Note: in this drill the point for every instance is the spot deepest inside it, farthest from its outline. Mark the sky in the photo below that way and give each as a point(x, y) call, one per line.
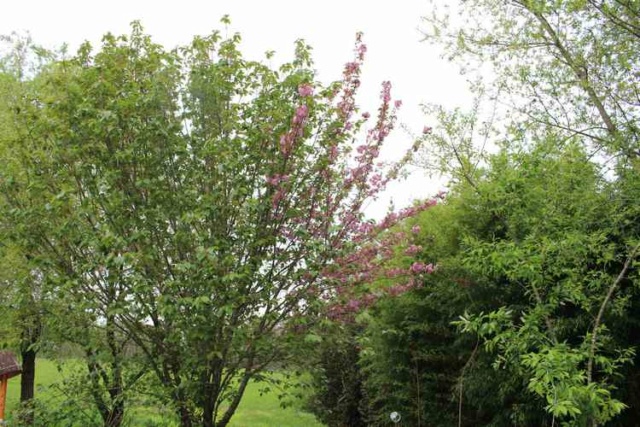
point(391, 30)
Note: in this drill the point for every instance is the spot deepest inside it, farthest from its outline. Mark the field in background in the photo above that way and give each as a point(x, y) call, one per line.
point(254, 410)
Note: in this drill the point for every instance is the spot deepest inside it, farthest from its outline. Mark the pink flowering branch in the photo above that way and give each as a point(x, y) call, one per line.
point(354, 276)
point(317, 185)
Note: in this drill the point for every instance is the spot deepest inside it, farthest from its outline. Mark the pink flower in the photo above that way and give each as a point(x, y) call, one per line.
point(351, 68)
point(415, 229)
point(366, 115)
point(413, 249)
point(418, 267)
point(426, 130)
point(398, 103)
point(386, 91)
point(285, 144)
point(305, 90)
point(365, 227)
point(301, 113)
point(362, 49)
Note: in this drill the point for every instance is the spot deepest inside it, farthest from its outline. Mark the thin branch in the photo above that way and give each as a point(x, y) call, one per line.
point(579, 70)
point(596, 325)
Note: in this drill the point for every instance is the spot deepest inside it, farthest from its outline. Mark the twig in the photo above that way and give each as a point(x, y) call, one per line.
point(612, 288)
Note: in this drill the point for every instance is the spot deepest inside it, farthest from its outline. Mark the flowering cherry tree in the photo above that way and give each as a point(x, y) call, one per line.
point(195, 202)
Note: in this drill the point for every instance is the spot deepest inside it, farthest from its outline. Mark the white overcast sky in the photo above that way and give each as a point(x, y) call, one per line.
point(391, 32)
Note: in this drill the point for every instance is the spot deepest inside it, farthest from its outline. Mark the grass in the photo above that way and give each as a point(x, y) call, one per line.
point(46, 374)
point(255, 410)
point(265, 411)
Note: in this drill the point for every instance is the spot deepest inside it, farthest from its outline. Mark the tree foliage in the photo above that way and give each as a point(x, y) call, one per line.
point(537, 257)
point(568, 65)
point(187, 204)
point(192, 218)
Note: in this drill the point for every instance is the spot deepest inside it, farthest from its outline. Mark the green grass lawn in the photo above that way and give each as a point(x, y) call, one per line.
point(265, 411)
point(46, 374)
point(255, 410)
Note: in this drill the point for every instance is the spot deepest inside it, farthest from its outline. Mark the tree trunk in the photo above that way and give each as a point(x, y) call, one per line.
point(211, 390)
point(116, 415)
point(208, 407)
point(27, 386)
point(27, 380)
point(235, 402)
point(30, 337)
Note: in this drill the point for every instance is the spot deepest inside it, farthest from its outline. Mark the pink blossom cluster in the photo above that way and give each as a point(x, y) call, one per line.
point(361, 48)
point(367, 264)
point(419, 267)
point(329, 216)
point(351, 68)
point(286, 143)
point(365, 228)
point(278, 197)
point(305, 90)
point(298, 122)
point(345, 311)
point(386, 91)
point(366, 175)
point(402, 288)
point(413, 249)
point(334, 151)
point(351, 82)
point(301, 114)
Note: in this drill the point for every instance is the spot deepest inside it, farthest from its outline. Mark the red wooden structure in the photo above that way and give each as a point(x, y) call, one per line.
point(9, 368)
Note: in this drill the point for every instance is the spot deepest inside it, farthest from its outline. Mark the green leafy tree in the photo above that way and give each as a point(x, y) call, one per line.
point(568, 65)
point(188, 203)
point(558, 238)
point(539, 244)
point(411, 351)
point(562, 75)
point(22, 303)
